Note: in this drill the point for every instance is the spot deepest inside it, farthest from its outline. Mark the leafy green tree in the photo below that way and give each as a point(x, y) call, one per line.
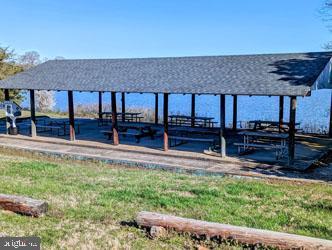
point(9, 67)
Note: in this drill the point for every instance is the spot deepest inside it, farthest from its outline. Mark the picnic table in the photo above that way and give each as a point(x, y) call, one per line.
point(261, 124)
point(138, 130)
point(267, 140)
point(48, 125)
point(179, 135)
point(124, 117)
point(130, 116)
point(197, 121)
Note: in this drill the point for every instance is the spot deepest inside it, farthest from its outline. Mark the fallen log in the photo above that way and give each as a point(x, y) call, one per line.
point(23, 205)
point(243, 235)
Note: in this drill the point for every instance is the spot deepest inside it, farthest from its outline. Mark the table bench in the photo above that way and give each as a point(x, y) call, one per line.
point(109, 134)
point(255, 139)
point(249, 146)
point(45, 126)
point(180, 135)
point(185, 139)
point(261, 125)
point(141, 130)
point(197, 121)
point(103, 122)
point(48, 128)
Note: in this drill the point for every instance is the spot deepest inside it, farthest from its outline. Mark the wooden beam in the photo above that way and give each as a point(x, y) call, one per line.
point(71, 115)
point(330, 130)
point(291, 140)
point(7, 98)
point(193, 110)
point(114, 119)
point(100, 104)
point(243, 235)
point(123, 106)
point(281, 112)
point(33, 113)
point(156, 108)
point(23, 205)
point(234, 112)
point(222, 125)
point(6, 93)
point(166, 121)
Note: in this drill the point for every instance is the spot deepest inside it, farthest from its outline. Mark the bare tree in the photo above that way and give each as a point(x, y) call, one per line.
point(29, 59)
point(45, 100)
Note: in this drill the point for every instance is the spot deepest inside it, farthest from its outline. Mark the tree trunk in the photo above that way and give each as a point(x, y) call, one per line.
point(242, 235)
point(23, 205)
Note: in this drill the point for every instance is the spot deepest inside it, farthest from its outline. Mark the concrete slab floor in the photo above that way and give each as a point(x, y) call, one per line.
point(92, 144)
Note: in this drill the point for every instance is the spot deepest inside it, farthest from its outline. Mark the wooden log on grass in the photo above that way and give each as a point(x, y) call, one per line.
point(243, 235)
point(23, 205)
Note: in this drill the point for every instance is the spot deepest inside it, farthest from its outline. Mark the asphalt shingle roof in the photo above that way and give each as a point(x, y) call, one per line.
point(269, 74)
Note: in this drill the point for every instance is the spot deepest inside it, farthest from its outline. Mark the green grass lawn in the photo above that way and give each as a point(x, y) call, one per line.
point(88, 202)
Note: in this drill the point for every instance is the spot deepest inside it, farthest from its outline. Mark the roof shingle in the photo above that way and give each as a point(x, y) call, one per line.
point(269, 74)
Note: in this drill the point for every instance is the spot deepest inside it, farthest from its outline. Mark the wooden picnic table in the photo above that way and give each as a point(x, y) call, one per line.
point(140, 130)
point(48, 125)
point(260, 139)
point(124, 117)
point(195, 130)
point(197, 121)
point(179, 135)
point(130, 116)
point(261, 124)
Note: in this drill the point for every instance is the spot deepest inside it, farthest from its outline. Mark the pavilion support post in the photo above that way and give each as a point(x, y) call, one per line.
point(100, 106)
point(222, 126)
point(193, 110)
point(33, 113)
point(156, 111)
point(330, 130)
point(114, 120)
point(166, 121)
point(281, 112)
point(71, 115)
point(291, 140)
point(234, 112)
point(123, 106)
point(6, 92)
point(7, 98)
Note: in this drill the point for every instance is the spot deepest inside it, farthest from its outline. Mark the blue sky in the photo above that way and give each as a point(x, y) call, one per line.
point(150, 28)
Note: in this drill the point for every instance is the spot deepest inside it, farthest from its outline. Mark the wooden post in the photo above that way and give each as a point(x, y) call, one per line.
point(100, 106)
point(7, 98)
point(234, 112)
point(222, 126)
point(281, 112)
point(291, 142)
point(123, 106)
point(114, 119)
point(33, 113)
point(193, 110)
point(330, 130)
point(6, 92)
point(156, 110)
point(166, 122)
point(71, 115)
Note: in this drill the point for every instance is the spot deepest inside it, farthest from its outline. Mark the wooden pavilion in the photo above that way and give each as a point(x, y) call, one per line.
point(280, 75)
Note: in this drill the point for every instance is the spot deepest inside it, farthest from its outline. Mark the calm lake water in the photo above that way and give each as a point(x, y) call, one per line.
point(313, 111)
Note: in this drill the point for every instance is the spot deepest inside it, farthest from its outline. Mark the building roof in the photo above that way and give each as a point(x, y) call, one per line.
point(268, 74)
